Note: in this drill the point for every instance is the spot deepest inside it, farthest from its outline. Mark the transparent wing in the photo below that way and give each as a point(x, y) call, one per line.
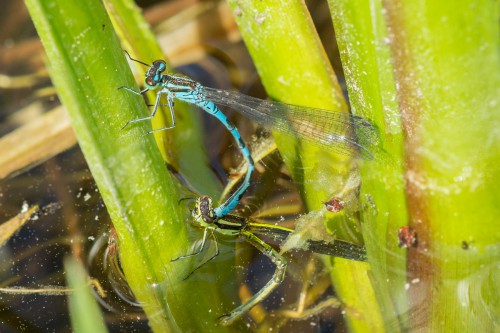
point(335, 131)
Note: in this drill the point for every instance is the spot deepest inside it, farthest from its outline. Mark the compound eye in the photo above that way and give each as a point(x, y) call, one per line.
point(160, 65)
point(150, 82)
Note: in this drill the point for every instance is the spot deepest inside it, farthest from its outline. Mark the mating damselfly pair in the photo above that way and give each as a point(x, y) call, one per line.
point(333, 131)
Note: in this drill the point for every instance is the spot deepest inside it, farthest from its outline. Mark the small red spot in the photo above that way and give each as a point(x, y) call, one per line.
point(407, 237)
point(334, 205)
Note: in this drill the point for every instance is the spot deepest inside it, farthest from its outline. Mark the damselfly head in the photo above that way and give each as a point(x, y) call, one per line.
point(154, 74)
point(203, 210)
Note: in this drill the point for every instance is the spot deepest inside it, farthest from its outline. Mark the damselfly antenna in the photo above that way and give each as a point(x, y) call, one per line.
point(130, 57)
point(185, 199)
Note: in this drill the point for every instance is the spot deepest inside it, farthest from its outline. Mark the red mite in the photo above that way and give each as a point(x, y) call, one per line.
point(407, 237)
point(334, 205)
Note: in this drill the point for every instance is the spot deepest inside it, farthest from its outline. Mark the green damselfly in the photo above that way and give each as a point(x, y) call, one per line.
point(232, 225)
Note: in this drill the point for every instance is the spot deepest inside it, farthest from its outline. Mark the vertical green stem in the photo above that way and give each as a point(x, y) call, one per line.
point(294, 69)
point(365, 53)
point(88, 66)
point(182, 147)
point(428, 74)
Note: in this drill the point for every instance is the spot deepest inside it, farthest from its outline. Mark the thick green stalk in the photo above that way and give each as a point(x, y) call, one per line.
point(365, 53)
point(294, 69)
point(87, 66)
point(182, 147)
point(428, 74)
point(448, 68)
